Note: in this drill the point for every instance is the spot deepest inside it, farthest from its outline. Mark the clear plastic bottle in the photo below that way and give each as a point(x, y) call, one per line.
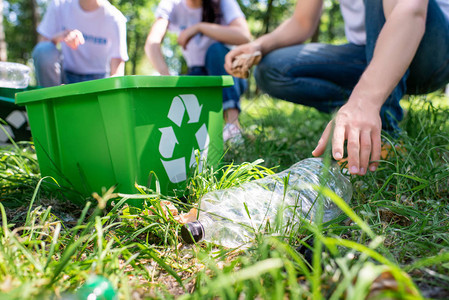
point(230, 217)
point(14, 75)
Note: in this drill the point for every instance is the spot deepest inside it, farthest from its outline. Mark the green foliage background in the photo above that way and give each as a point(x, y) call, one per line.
point(21, 17)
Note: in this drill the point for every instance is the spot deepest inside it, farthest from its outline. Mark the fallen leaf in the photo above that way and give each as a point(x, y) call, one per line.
point(389, 217)
point(188, 217)
point(386, 282)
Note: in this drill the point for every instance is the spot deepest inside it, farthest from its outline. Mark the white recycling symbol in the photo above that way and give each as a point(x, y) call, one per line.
point(176, 167)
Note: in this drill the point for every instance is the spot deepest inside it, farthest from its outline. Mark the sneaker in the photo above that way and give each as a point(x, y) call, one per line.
point(232, 134)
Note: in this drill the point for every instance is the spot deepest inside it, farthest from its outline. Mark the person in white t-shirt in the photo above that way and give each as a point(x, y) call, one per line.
point(206, 28)
point(394, 47)
point(92, 39)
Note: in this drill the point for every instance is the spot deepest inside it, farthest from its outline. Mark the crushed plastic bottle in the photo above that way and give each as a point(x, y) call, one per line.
point(230, 217)
point(14, 75)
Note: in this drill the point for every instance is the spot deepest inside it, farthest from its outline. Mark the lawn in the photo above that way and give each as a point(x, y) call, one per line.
point(392, 241)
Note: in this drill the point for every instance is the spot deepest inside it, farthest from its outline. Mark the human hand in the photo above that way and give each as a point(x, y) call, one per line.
point(239, 60)
point(73, 38)
point(187, 34)
point(361, 126)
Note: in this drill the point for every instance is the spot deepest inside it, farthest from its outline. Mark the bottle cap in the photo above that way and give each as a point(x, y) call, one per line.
point(192, 232)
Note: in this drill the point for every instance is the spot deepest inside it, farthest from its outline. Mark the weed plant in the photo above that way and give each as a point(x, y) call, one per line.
point(392, 240)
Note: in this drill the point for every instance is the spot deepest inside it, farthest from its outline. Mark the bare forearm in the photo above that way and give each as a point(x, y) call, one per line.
point(154, 54)
point(57, 38)
point(232, 35)
point(295, 30)
point(287, 34)
point(117, 67)
point(395, 49)
point(153, 46)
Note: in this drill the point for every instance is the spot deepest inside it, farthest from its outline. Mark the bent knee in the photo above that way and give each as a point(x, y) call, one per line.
point(45, 53)
point(216, 51)
point(267, 72)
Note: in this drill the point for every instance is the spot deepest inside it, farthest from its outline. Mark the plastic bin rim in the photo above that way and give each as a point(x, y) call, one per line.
point(122, 82)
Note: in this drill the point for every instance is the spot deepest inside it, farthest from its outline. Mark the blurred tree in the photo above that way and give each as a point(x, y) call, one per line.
point(331, 26)
point(21, 19)
point(3, 53)
point(140, 18)
point(22, 16)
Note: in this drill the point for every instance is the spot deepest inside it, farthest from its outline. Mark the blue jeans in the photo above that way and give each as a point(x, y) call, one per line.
point(323, 76)
point(48, 64)
point(214, 65)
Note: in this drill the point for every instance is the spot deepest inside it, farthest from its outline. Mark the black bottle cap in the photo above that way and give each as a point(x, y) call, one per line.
point(192, 232)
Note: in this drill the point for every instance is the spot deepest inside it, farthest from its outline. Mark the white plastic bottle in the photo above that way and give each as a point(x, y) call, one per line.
point(230, 217)
point(14, 75)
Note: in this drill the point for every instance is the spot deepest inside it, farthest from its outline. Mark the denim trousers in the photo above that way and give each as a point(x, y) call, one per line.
point(48, 65)
point(214, 66)
point(323, 76)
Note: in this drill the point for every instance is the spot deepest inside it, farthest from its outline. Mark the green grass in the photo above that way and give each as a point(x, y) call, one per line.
point(392, 240)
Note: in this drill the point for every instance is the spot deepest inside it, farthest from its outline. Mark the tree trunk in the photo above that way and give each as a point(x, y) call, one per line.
point(266, 29)
point(267, 18)
point(316, 34)
point(3, 53)
point(35, 17)
point(333, 11)
point(135, 55)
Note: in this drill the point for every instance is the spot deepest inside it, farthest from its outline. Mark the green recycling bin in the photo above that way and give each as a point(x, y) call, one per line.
point(121, 131)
